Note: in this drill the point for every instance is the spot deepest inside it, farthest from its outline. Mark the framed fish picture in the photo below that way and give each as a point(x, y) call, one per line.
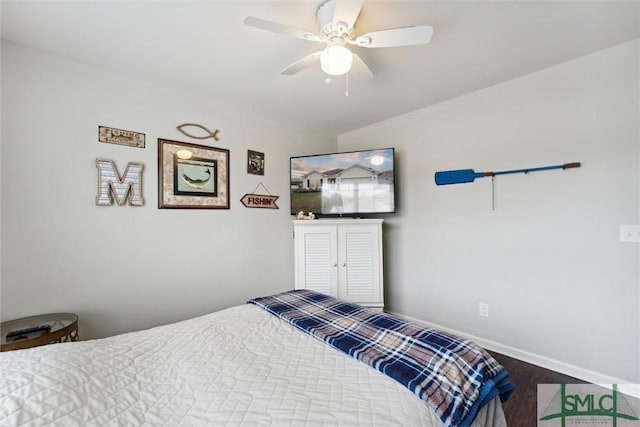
point(192, 176)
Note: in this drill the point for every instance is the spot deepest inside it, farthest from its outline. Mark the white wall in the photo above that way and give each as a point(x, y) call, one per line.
point(563, 291)
point(127, 268)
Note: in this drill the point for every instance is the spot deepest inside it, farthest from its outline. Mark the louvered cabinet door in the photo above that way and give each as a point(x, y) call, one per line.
point(359, 263)
point(317, 259)
point(341, 258)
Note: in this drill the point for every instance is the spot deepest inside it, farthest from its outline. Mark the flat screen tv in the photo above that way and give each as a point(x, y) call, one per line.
point(351, 184)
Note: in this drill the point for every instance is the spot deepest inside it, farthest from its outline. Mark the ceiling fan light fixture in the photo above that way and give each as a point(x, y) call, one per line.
point(337, 21)
point(336, 60)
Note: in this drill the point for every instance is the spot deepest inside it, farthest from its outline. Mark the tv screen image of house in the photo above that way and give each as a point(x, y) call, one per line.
point(349, 183)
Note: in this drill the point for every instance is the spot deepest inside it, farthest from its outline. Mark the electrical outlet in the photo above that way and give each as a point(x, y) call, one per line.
point(630, 233)
point(483, 309)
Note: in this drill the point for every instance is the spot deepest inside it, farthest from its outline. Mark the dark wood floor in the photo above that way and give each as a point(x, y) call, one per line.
point(520, 410)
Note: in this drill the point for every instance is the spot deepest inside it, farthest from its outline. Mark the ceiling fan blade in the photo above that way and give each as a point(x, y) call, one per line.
point(347, 11)
point(282, 29)
point(302, 63)
point(406, 36)
point(359, 69)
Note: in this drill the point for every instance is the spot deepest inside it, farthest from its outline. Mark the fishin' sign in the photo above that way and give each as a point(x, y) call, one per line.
point(252, 200)
point(259, 201)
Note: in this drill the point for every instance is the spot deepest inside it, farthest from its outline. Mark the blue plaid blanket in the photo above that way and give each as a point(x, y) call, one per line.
point(453, 376)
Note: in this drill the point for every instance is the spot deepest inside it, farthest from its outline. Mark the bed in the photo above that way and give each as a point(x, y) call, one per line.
point(269, 362)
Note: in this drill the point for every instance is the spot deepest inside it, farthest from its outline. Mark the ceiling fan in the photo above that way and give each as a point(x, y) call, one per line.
point(336, 23)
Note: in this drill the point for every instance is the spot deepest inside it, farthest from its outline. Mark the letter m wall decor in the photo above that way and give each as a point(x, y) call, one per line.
point(111, 184)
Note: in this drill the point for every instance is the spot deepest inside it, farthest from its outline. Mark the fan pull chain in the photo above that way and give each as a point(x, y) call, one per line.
point(346, 91)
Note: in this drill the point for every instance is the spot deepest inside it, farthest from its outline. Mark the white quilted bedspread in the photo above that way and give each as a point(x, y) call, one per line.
point(240, 366)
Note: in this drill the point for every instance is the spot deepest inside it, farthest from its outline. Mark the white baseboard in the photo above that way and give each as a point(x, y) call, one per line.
point(525, 356)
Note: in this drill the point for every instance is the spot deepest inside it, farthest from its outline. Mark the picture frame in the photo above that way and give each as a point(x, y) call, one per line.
point(255, 162)
point(192, 176)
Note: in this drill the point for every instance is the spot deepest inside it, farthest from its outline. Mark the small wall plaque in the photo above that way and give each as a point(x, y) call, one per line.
point(255, 162)
point(121, 137)
point(253, 200)
point(259, 201)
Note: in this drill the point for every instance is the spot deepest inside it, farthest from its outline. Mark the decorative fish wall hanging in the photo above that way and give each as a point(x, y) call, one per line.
point(209, 134)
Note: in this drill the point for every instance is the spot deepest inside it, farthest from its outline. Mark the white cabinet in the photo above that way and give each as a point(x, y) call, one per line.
point(341, 258)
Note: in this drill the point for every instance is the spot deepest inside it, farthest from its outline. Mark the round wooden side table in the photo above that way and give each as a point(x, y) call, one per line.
point(55, 328)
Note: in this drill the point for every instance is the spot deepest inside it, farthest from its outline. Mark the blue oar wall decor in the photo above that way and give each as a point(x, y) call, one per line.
point(462, 176)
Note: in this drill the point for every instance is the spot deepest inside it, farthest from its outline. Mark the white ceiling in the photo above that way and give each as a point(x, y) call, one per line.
point(204, 46)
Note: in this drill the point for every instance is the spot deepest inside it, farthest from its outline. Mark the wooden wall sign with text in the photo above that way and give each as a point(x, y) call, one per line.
point(260, 201)
point(265, 201)
point(121, 137)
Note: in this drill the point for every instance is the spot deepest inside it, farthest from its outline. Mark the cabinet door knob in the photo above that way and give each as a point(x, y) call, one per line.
point(344, 264)
point(335, 264)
